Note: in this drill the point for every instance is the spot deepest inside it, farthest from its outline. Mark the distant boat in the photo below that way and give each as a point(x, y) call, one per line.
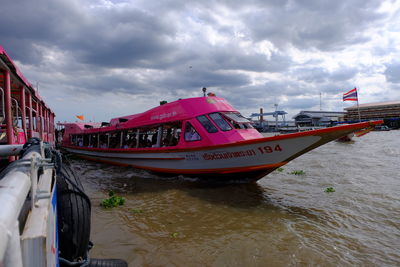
point(203, 137)
point(381, 128)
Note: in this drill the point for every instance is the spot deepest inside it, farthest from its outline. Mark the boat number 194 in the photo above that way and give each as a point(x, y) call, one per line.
point(269, 149)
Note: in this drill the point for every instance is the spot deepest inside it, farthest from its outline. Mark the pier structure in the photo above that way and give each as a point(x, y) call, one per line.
point(265, 125)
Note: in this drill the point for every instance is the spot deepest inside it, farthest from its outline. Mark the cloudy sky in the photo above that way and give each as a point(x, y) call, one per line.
point(110, 58)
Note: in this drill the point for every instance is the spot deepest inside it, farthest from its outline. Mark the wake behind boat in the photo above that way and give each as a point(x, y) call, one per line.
point(202, 137)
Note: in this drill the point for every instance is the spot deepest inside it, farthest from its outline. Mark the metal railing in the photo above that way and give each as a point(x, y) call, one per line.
point(18, 183)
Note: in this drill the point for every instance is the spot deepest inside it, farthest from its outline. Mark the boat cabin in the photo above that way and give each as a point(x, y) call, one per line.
point(185, 123)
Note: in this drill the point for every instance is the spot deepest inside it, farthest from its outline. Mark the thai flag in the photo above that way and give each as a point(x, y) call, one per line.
point(350, 95)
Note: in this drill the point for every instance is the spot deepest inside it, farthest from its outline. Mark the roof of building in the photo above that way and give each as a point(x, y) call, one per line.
point(320, 114)
point(376, 104)
point(275, 113)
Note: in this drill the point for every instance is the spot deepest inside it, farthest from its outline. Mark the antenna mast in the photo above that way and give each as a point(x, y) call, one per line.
point(320, 101)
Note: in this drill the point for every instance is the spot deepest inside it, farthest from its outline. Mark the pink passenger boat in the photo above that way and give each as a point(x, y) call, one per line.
point(202, 137)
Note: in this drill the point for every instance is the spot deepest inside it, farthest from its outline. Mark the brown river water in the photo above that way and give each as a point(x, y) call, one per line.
point(282, 220)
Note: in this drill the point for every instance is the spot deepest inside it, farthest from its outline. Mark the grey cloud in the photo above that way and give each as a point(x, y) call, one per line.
point(109, 83)
point(233, 58)
point(324, 25)
point(343, 74)
point(325, 80)
point(25, 25)
point(107, 37)
point(267, 94)
point(304, 103)
point(189, 80)
point(147, 47)
point(392, 72)
point(123, 38)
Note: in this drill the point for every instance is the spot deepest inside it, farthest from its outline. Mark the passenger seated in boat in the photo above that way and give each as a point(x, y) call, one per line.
point(190, 133)
point(113, 143)
point(132, 142)
point(167, 140)
point(94, 141)
point(125, 145)
point(142, 142)
point(103, 145)
point(174, 141)
point(149, 143)
point(145, 142)
point(154, 139)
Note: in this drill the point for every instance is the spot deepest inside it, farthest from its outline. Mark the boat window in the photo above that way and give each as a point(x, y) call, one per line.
point(237, 117)
point(93, 140)
point(85, 140)
point(220, 121)
point(238, 121)
point(130, 139)
point(171, 133)
point(190, 133)
point(74, 139)
point(114, 140)
point(104, 140)
point(147, 137)
point(207, 124)
point(79, 140)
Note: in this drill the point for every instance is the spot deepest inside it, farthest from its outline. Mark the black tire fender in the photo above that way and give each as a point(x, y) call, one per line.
point(73, 210)
point(107, 263)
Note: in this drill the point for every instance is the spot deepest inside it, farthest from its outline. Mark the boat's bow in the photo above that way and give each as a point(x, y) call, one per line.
point(332, 133)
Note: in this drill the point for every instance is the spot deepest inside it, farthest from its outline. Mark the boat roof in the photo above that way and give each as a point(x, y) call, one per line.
point(15, 71)
point(179, 110)
point(10, 63)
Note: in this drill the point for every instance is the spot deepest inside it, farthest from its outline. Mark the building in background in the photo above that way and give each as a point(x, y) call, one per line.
point(388, 111)
point(318, 118)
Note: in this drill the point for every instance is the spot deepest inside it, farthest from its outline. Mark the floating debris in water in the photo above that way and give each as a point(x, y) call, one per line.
point(113, 201)
point(174, 235)
point(300, 172)
point(330, 190)
point(136, 211)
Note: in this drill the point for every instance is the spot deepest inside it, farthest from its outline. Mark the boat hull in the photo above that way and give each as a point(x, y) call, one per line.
point(246, 160)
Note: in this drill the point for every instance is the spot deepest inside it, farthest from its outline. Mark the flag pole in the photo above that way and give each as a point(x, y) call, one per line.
point(358, 107)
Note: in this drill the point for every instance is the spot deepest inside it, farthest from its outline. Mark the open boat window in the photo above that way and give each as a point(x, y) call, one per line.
point(170, 134)
point(220, 121)
point(238, 121)
point(190, 133)
point(104, 139)
point(77, 140)
point(207, 124)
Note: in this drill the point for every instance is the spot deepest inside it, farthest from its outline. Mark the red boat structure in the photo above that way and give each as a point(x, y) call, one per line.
point(23, 113)
point(203, 137)
point(45, 214)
